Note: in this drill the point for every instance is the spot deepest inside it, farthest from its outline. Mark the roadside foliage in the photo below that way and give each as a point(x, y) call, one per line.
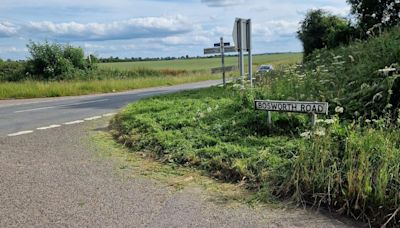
point(349, 162)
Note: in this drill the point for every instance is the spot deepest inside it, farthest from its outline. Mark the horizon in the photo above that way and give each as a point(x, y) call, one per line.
point(153, 28)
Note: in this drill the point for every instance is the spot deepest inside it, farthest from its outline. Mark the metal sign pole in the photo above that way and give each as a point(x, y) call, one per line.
point(249, 47)
point(223, 60)
point(241, 56)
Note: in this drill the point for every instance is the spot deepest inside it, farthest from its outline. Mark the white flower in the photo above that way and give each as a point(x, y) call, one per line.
point(306, 135)
point(339, 109)
point(320, 132)
point(209, 109)
point(329, 121)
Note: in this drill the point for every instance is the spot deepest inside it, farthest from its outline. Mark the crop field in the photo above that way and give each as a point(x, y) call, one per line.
point(204, 64)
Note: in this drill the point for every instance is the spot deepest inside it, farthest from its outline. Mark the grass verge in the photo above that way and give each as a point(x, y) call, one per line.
point(37, 89)
point(351, 168)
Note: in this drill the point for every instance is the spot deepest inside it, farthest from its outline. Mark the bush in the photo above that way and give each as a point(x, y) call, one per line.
point(13, 71)
point(53, 61)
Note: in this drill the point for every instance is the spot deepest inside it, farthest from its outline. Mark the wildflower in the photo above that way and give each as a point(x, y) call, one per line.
point(209, 109)
point(320, 132)
point(339, 109)
point(329, 121)
point(306, 135)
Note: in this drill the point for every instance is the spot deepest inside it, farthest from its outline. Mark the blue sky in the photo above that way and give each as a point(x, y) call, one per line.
point(152, 28)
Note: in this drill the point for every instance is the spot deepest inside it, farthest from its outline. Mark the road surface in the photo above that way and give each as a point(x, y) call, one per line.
point(24, 116)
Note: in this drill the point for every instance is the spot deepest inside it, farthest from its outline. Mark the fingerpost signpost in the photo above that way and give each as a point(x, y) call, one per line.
point(221, 48)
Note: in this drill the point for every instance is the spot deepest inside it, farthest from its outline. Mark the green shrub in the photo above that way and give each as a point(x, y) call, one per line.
point(53, 61)
point(13, 71)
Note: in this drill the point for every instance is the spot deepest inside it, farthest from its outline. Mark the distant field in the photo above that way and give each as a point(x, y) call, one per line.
point(203, 64)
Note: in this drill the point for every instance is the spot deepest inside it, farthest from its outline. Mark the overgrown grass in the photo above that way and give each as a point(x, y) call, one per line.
point(352, 169)
point(36, 89)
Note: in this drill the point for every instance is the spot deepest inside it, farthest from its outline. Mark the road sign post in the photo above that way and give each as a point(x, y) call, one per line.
point(249, 44)
point(242, 39)
point(222, 44)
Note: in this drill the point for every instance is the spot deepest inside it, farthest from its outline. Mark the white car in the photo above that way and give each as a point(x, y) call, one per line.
point(265, 69)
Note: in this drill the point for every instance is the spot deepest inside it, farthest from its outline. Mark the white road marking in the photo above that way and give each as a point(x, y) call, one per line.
point(93, 118)
point(20, 133)
point(48, 127)
point(56, 106)
point(74, 122)
point(109, 114)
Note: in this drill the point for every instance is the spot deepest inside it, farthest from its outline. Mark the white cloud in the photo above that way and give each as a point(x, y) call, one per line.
point(7, 29)
point(273, 30)
point(222, 3)
point(4, 49)
point(148, 27)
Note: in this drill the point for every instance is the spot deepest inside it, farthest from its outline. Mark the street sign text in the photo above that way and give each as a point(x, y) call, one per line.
point(292, 106)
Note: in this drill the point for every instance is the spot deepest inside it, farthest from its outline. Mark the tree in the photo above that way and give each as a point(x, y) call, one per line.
point(371, 13)
point(320, 29)
point(53, 61)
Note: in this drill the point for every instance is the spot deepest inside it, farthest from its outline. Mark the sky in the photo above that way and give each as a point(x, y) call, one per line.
point(152, 28)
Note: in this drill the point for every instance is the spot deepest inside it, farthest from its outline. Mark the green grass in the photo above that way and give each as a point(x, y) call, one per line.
point(203, 64)
point(117, 77)
point(348, 167)
point(36, 89)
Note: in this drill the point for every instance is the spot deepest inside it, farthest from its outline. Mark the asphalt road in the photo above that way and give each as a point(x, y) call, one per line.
point(21, 116)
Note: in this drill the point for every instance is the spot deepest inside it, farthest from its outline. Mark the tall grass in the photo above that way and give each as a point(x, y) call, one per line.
point(351, 168)
point(36, 89)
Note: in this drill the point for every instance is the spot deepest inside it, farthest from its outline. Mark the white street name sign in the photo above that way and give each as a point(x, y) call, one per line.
point(292, 106)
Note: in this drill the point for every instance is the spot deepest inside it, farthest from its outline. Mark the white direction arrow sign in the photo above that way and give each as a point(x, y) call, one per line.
point(240, 34)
